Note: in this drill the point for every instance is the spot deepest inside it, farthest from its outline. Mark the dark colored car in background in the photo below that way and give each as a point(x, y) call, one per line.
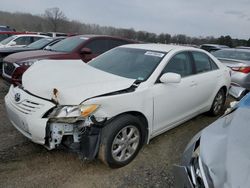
point(212, 47)
point(38, 45)
point(6, 28)
point(219, 155)
point(84, 47)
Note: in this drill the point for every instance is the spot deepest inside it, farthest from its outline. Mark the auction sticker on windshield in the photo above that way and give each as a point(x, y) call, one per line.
point(156, 54)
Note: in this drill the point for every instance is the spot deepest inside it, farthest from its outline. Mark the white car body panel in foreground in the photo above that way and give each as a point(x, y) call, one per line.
point(163, 105)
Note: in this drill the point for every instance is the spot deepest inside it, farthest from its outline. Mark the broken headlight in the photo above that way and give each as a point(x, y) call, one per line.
point(197, 170)
point(73, 112)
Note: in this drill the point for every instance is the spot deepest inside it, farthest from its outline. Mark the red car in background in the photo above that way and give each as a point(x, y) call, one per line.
point(84, 47)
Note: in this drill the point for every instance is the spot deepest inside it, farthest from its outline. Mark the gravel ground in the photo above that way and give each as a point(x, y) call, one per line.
point(24, 164)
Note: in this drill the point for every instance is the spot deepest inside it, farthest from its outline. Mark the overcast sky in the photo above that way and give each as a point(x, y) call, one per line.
point(190, 17)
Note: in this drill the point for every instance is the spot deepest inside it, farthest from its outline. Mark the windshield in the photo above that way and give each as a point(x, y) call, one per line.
point(232, 54)
point(40, 43)
point(68, 45)
point(128, 62)
point(6, 41)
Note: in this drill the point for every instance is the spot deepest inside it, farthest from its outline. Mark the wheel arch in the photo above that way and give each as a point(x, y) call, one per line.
point(224, 89)
point(142, 118)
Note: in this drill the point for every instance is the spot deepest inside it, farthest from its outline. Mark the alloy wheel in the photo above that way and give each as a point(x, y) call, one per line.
point(125, 143)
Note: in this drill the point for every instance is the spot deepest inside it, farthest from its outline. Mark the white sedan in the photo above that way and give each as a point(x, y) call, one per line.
point(113, 105)
point(20, 40)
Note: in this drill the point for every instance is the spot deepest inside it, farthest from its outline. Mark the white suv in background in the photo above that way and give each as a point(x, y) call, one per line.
point(20, 40)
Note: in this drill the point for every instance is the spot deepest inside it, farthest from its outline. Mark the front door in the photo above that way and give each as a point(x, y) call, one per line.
point(174, 102)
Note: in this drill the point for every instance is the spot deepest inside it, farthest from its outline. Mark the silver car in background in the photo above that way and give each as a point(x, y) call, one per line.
point(238, 60)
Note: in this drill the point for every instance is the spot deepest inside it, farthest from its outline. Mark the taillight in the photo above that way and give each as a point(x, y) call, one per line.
point(241, 69)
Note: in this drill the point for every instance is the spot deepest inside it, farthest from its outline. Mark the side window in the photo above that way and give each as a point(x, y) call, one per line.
point(98, 46)
point(213, 64)
point(203, 63)
point(115, 42)
point(180, 64)
point(36, 39)
point(23, 40)
point(3, 36)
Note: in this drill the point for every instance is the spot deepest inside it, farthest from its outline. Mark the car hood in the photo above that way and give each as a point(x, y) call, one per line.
point(74, 80)
point(37, 54)
point(15, 49)
point(225, 151)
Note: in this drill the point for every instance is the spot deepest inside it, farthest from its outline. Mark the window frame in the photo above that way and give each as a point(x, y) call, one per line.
point(23, 37)
point(96, 40)
point(209, 59)
point(188, 53)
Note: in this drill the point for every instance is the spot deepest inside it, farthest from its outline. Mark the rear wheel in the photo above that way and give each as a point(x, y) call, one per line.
point(121, 141)
point(218, 103)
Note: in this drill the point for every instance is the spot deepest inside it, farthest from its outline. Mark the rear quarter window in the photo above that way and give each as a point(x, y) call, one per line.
point(98, 46)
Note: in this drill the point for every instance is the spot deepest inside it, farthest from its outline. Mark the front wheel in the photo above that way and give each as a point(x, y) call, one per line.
point(218, 103)
point(121, 141)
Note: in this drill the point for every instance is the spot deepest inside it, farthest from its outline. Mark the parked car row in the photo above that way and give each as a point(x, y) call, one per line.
point(43, 43)
point(112, 106)
point(84, 47)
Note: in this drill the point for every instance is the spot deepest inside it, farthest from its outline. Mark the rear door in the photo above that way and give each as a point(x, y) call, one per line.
point(112, 43)
point(97, 47)
point(208, 75)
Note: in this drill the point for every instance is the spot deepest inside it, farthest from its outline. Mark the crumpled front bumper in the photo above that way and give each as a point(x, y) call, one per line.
point(182, 175)
point(26, 113)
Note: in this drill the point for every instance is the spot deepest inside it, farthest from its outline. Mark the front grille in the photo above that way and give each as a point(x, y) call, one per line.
point(8, 68)
point(25, 106)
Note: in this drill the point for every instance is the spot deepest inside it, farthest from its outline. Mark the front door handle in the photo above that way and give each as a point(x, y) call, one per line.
point(193, 84)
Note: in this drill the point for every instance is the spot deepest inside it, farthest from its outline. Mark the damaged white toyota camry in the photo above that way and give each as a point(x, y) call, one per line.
point(112, 106)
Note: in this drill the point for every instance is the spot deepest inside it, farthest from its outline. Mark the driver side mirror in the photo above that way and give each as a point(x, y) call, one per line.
point(86, 51)
point(170, 78)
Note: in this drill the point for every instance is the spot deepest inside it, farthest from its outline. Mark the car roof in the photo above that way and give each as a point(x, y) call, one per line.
point(215, 45)
point(235, 49)
point(89, 36)
point(160, 47)
point(30, 35)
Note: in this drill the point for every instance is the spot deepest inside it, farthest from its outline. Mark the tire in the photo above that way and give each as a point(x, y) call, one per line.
point(218, 103)
point(121, 140)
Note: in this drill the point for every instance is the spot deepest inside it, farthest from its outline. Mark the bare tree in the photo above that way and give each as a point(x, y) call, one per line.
point(55, 17)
